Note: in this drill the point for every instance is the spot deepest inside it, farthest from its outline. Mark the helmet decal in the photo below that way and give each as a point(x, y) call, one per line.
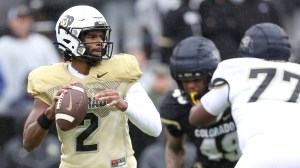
point(247, 43)
point(66, 21)
point(216, 55)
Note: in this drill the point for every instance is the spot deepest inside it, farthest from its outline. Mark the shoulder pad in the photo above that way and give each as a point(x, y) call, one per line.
point(121, 67)
point(173, 107)
point(218, 82)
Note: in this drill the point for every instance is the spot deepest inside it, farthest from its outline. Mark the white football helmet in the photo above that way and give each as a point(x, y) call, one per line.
point(72, 23)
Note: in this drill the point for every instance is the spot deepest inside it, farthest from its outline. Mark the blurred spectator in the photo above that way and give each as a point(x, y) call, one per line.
point(3, 13)
point(179, 22)
point(149, 19)
point(3, 163)
point(46, 156)
point(257, 11)
point(153, 156)
point(21, 51)
point(146, 66)
point(127, 34)
point(1, 82)
point(46, 12)
point(295, 35)
point(221, 23)
point(162, 83)
point(289, 13)
point(225, 21)
point(15, 156)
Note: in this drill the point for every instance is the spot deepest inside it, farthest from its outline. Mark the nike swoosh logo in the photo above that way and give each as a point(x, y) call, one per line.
point(99, 76)
point(70, 104)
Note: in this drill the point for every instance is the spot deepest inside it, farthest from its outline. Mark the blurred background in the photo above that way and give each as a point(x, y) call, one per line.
point(148, 29)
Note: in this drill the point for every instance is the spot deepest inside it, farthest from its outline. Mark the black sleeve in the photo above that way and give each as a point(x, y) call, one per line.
point(174, 114)
point(174, 131)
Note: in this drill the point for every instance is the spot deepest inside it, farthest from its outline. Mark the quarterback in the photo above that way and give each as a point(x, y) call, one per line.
point(102, 139)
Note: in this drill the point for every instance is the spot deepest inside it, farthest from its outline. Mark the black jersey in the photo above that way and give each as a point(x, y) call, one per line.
point(217, 144)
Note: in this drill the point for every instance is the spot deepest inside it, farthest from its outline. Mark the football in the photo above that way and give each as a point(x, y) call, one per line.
point(72, 107)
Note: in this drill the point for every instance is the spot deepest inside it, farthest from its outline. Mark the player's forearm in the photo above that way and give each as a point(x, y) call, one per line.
point(33, 136)
point(174, 159)
point(142, 112)
point(36, 129)
point(145, 119)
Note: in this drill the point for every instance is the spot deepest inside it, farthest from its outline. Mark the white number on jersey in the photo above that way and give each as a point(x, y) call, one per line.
point(269, 75)
point(229, 144)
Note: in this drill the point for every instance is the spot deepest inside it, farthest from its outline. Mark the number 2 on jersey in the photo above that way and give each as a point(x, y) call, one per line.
point(80, 146)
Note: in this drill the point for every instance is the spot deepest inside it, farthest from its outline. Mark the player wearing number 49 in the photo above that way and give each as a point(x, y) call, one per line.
point(192, 64)
point(102, 139)
point(262, 89)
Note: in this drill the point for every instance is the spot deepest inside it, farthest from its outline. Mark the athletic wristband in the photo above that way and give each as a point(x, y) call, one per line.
point(44, 122)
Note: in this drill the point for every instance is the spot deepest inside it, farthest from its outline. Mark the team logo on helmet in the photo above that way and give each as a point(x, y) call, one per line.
point(247, 43)
point(216, 55)
point(66, 21)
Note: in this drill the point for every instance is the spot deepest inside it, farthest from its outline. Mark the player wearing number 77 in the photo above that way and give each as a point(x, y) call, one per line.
point(192, 63)
point(115, 96)
point(262, 88)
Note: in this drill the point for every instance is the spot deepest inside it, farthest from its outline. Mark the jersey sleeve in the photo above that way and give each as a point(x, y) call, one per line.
point(173, 114)
point(224, 71)
point(217, 99)
point(123, 67)
point(44, 81)
point(35, 86)
point(133, 67)
point(138, 100)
